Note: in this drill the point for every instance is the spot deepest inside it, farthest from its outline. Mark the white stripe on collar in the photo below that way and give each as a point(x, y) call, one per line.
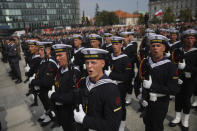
point(108, 45)
point(171, 44)
point(35, 56)
point(51, 60)
point(91, 85)
point(77, 50)
point(124, 47)
point(162, 62)
point(117, 57)
point(191, 50)
point(64, 70)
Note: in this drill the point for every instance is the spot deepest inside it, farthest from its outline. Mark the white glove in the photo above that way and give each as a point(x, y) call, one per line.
point(72, 59)
point(153, 97)
point(36, 88)
point(180, 81)
point(31, 78)
point(144, 103)
point(51, 91)
point(53, 113)
point(79, 116)
point(84, 66)
point(188, 75)
point(182, 65)
point(27, 68)
point(139, 97)
point(167, 54)
point(147, 83)
point(107, 72)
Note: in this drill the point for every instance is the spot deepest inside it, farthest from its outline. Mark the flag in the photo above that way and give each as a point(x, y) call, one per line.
point(159, 13)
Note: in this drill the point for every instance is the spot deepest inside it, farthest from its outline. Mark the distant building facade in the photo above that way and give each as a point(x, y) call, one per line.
point(127, 18)
point(24, 14)
point(176, 6)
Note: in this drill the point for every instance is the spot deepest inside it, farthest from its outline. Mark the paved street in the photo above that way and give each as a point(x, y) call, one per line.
point(16, 115)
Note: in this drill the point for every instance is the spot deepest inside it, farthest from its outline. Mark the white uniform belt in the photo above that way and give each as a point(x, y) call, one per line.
point(119, 82)
point(58, 104)
point(154, 96)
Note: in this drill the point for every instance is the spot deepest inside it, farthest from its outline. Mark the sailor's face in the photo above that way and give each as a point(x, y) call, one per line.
point(77, 42)
point(117, 47)
point(157, 50)
point(94, 43)
point(173, 37)
point(190, 40)
point(126, 40)
point(94, 68)
point(62, 59)
point(41, 52)
point(33, 49)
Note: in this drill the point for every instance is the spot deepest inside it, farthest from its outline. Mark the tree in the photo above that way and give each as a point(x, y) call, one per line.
point(155, 20)
point(106, 18)
point(185, 15)
point(141, 19)
point(168, 16)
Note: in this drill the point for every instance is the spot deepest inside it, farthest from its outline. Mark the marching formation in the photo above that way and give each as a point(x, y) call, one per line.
point(85, 78)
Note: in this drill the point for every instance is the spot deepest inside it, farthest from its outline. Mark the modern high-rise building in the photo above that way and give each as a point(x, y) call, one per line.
point(34, 14)
point(176, 6)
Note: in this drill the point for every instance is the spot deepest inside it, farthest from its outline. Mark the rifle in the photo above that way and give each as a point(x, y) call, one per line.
point(144, 73)
point(76, 90)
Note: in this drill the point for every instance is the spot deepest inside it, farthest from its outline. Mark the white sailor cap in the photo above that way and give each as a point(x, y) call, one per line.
point(32, 42)
point(77, 36)
point(148, 30)
point(116, 39)
point(174, 31)
point(42, 44)
point(94, 37)
point(163, 30)
point(94, 53)
point(189, 32)
point(61, 47)
point(149, 34)
point(158, 39)
point(107, 34)
point(124, 34)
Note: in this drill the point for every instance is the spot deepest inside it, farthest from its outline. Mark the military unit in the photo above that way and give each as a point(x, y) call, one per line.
point(85, 78)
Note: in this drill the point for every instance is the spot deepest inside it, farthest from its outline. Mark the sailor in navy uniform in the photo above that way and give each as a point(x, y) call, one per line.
point(173, 43)
point(34, 65)
point(189, 69)
point(61, 93)
point(121, 72)
point(45, 78)
point(108, 45)
point(95, 41)
point(101, 103)
point(130, 49)
point(161, 84)
point(78, 58)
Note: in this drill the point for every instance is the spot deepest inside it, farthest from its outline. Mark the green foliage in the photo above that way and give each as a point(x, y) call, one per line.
point(141, 19)
point(168, 16)
point(185, 15)
point(155, 20)
point(106, 18)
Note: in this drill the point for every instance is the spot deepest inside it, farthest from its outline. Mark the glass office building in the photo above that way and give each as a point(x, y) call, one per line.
point(35, 14)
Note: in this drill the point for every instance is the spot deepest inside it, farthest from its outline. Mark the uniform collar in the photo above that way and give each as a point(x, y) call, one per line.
point(159, 63)
point(63, 70)
point(117, 57)
point(77, 50)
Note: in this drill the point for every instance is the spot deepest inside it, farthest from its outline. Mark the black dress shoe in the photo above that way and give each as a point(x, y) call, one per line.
point(18, 81)
point(34, 104)
point(40, 120)
point(184, 128)
point(171, 124)
point(45, 123)
point(14, 78)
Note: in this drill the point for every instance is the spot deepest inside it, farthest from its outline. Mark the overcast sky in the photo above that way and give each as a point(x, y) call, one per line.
point(126, 5)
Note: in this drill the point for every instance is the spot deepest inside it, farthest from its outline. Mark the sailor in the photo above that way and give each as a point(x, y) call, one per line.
point(101, 104)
